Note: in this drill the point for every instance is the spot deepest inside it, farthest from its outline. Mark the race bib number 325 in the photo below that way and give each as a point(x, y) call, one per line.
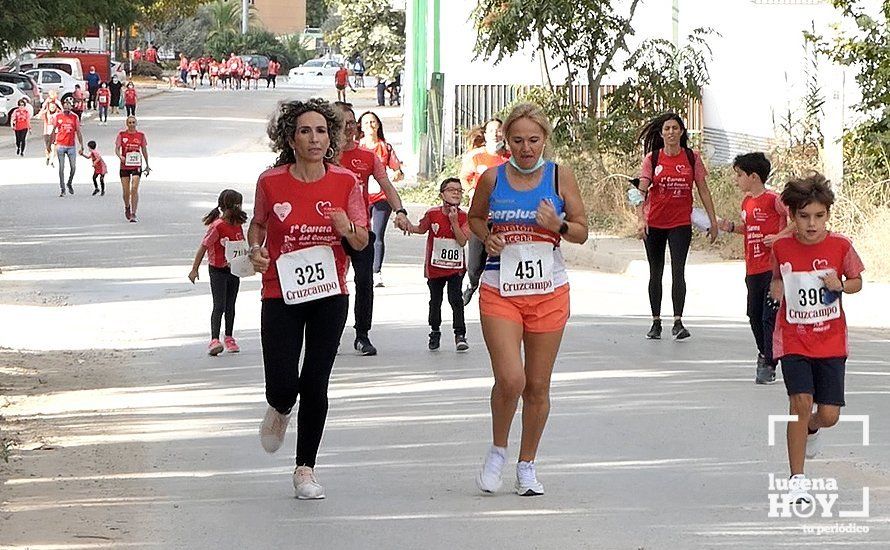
point(526, 269)
point(308, 274)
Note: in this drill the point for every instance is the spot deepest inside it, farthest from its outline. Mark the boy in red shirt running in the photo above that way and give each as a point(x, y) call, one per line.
point(764, 220)
point(447, 232)
point(99, 167)
point(812, 270)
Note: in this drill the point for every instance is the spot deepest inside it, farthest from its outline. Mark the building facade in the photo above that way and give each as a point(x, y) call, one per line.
point(281, 17)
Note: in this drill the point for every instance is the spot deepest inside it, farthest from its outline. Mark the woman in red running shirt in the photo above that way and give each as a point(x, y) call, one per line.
point(670, 170)
point(131, 147)
point(21, 123)
point(305, 209)
point(130, 99)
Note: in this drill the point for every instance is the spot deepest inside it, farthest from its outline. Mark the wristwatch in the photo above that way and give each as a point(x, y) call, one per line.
point(402, 211)
point(563, 228)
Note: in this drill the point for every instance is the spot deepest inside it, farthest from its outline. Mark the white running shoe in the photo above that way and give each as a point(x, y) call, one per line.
point(305, 484)
point(797, 492)
point(814, 445)
point(378, 280)
point(489, 477)
point(527, 484)
point(272, 430)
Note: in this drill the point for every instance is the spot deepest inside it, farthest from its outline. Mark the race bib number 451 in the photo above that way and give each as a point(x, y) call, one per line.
point(807, 300)
point(308, 274)
point(526, 269)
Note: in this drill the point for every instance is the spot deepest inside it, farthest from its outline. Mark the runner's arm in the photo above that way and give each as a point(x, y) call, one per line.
point(145, 156)
point(459, 234)
point(392, 194)
point(479, 208)
point(575, 215)
point(199, 257)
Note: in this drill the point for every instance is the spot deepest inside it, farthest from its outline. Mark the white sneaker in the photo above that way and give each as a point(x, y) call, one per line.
point(272, 430)
point(305, 484)
point(378, 280)
point(814, 445)
point(527, 484)
point(797, 490)
point(489, 477)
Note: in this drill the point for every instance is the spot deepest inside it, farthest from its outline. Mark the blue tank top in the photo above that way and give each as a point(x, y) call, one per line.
point(513, 212)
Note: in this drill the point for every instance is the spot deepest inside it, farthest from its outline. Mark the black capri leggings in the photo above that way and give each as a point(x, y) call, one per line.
point(224, 288)
point(282, 329)
point(678, 240)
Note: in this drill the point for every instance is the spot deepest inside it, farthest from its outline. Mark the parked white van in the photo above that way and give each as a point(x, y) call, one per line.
point(70, 65)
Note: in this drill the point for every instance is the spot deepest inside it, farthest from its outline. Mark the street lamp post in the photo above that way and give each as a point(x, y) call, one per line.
point(244, 6)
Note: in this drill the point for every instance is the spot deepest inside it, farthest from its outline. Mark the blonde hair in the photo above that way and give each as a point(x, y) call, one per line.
point(532, 112)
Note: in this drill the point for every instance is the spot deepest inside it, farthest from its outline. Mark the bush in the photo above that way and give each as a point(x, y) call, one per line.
point(144, 68)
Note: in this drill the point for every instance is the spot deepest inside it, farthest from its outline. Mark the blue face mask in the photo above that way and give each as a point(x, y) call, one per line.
point(537, 165)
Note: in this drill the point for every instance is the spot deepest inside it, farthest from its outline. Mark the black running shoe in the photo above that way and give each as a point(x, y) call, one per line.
point(654, 332)
point(435, 337)
point(679, 332)
point(70, 188)
point(95, 192)
point(766, 373)
point(460, 342)
point(363, 346)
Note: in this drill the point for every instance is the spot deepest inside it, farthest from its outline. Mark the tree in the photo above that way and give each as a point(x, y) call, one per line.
point(225, 27)
point(374, 30)
point(186, 34)
point(317, 12)
point(582, 35)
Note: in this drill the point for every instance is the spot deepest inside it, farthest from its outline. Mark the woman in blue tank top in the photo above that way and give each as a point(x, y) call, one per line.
point(533, 204)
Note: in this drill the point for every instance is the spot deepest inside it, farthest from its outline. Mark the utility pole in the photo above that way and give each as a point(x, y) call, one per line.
point(244, 5)
point(676, 23)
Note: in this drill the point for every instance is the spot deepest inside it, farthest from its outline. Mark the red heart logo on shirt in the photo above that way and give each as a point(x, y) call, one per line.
point(323, 208)
point(820, 264)
point(435, 228)
point(282, 210)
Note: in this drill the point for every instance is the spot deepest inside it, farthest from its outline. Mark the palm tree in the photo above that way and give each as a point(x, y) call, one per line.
point(226, 18)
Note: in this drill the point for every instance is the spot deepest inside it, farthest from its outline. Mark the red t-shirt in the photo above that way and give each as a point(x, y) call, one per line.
point(436, 225)
point(219, 232)
point(137, 55)
point(669, 202)
point(21, 119)
point(792, 261)
point(99, 166)
point(763, 215)
point(296, 216)
point(103, 96)
point(389, 159)
point(360, 162)
point(131, 143)
point(130, 96)
point(273, 68)
point(67, 126)
point(477, 161)
point(341, 77)
point(151, 55)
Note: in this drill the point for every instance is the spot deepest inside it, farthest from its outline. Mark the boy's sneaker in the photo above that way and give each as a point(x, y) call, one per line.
point(655, 331)
point(435, 337)
point(766, 373)
point(363, 346)
point(489, 477)
point(378, 280)
point(95, 191)
point(527, 484)
point(215, 347)
point(814, 444)
point(796, 492)
point(460, 342)
point(231, 345)
point(679, 332)
point(305, 484)
point(272, 430)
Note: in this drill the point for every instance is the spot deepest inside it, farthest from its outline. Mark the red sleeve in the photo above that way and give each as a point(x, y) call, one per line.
point(424, 224)
point(853, 266)
point(355, 207)
point(117, 141)
point(781, 209)
point(646, 168)
point(380, 171)
point(701, 171)
point(144, 140)
point(394, 162)
point(260, 212)
point(211, 237)
point(777, 274)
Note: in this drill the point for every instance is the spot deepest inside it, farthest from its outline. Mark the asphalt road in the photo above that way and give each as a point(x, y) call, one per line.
point(656, 445)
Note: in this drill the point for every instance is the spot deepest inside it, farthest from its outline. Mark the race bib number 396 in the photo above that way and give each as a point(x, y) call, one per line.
point(526, 269)
point(308, 274)
point(806, 300)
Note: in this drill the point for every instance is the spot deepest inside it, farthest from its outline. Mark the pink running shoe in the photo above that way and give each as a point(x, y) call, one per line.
point(215, 347)
point(231, 345)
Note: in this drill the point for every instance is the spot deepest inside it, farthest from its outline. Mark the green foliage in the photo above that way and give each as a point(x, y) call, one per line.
point(374, 30)
point(225, 29)
point(297, 54)
point(317, 12)
point(144, 68)
point(186, 34)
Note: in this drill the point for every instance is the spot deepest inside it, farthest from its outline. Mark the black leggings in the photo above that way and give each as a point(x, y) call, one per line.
point(455, 298)
point(224, 288)
point(761, 316)
point(363, 272)
point(678, 240)
point(131, 110)
point(20, 136)
point(101, 179)
point(282, 330)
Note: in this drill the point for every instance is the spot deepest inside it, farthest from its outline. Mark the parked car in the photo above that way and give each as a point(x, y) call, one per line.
point(26, 84)
point(4, 116)
point(12, 95)
point(70, 65)
point(315, 68)
point(54, 79)
point(260, 61)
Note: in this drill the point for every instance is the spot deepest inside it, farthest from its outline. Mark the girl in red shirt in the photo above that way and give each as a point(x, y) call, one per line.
point(670, 170)
point(103, 100)
point(447, 232)
point(305, 211)
point(224, 226)
point(130, 99)
point(21, 123)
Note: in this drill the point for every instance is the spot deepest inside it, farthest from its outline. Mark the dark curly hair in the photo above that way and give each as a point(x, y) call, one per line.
point(801, 192)
point(650, 134)
point(283, 126)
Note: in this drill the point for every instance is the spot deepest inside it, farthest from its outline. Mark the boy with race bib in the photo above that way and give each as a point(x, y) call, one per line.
point(812, 270)
point(447, 233)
